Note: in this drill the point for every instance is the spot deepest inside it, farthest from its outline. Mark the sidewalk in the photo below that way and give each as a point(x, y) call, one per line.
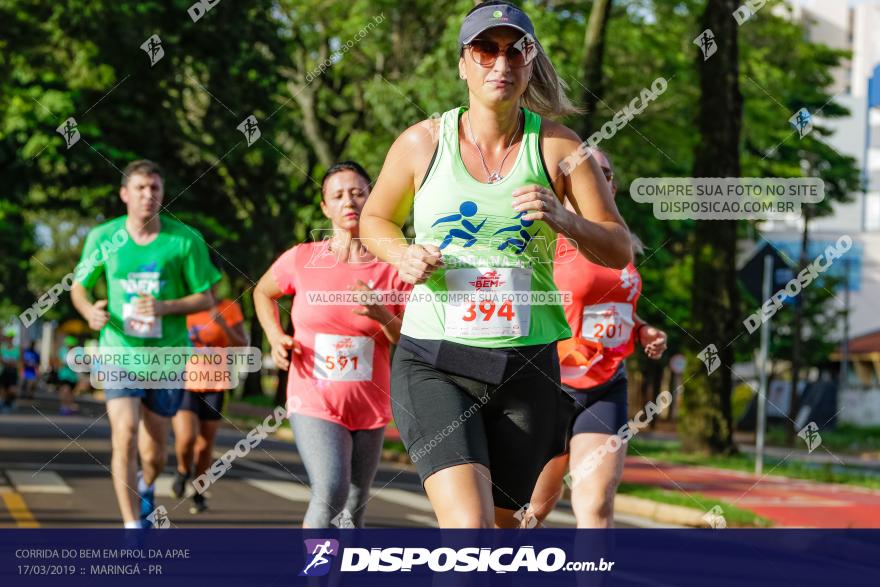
point(786, 502)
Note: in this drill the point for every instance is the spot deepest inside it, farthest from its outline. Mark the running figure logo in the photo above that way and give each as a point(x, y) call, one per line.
point(802, 121)
point(69, 131)
point(519, 242)
point(159, 518)
point(153, 48)
point(715, 519)
point(706, 42)
point(710, 358)
point(343, 520)
point(629, 281)
point(249, 129)
point(810, 434)
point(466, 210)
point(317, 561)
point(526, 518)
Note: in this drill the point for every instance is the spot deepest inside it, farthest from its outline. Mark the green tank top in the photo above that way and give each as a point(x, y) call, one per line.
point(496, 288)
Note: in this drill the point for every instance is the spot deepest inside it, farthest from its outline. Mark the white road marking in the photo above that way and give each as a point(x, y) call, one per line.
point(405, 498)
point(163, 486)
point(42, 482)
point(429, 521)
point(285, 489)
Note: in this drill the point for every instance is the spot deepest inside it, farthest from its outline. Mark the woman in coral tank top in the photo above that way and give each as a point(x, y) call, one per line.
point(338, 390)
point(603, 320)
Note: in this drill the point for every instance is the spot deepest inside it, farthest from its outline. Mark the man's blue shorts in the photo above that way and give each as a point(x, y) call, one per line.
point(163, 402)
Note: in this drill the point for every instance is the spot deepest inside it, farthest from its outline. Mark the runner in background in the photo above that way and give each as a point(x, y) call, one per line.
point(11, 359)
point(30, 371)
point(64, 378)
point(338, 387)
point(196, 422)
point(157, 271)
point(603, 319)
point(476, 380)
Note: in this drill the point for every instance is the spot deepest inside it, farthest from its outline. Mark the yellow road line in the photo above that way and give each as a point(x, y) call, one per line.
point(19, 510)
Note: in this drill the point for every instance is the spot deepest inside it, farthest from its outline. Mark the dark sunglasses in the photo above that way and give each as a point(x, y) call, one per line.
point(519, 54)
point(609, 175)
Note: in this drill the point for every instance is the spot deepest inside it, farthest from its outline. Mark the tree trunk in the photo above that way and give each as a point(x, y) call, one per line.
point(591, 66)
point(253, 384)
point(705, 422)
point(312, 125)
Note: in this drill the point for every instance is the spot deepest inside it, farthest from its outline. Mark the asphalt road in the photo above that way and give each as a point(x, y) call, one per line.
point(54, 473)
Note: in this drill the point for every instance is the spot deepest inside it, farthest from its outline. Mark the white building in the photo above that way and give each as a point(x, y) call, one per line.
point(839, 24)
point(853, 26)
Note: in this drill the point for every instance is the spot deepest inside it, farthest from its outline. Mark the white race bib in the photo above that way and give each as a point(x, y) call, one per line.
point(610, 324)
point(343, 358)
point(141, 283)
point(497, 304)
point(140, 326)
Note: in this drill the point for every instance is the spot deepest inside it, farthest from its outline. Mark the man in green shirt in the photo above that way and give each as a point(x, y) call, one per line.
point(157, 271)
point(10, 358)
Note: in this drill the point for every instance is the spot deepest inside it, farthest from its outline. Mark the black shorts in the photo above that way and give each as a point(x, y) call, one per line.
point(208, 405)
point(513, 428)
point(601, 409)
point(8, 376)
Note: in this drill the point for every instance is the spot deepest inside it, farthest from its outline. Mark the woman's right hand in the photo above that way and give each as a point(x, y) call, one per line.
point(419, 262)
point(281, 346)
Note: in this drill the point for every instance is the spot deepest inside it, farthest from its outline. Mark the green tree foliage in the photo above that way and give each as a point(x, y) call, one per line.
point(330, 80)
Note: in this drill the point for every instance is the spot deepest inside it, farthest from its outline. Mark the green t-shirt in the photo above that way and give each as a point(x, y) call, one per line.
point(174, 265)
point(65, 373)
point(9, 354)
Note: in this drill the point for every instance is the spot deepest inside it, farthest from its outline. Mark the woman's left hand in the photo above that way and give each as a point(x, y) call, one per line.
point(375, 311)
point(653, 341)
point(540, 203)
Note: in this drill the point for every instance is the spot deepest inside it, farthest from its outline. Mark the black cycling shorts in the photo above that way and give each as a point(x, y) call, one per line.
point(601, 409)
point(513, 427)
point(208, 405)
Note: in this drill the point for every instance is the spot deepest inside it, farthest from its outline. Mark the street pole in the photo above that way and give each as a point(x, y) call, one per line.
point(844, 359)
point(761, 423)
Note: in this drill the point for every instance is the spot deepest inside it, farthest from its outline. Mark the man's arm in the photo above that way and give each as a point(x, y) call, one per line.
point(94, 313)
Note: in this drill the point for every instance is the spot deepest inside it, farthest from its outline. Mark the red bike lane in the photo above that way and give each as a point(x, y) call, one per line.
point(787, 502)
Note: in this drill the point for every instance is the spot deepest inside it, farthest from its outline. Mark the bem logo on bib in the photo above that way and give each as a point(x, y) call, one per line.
point(345, 343)
point(487, 281)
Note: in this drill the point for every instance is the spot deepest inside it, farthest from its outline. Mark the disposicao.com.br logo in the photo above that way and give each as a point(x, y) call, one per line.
point(444, 559)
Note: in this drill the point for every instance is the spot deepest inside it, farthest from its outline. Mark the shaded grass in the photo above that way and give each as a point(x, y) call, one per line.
point(733, 515)
point(845, 438)
point(670, 452)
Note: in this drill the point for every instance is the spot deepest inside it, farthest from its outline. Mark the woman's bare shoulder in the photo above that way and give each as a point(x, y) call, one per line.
point(424, 134)
point(557, 143)
point(414, 149)
point(557, 134)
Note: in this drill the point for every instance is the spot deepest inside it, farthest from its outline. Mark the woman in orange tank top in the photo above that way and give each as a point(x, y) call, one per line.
point(603, 320)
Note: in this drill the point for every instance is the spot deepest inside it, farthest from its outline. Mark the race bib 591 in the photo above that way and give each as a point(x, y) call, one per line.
point(343, 358)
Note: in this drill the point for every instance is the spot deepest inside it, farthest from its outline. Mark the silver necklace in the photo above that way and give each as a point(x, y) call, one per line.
point(494, 176)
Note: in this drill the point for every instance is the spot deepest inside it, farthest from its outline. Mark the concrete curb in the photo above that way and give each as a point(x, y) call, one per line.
point(663, 513)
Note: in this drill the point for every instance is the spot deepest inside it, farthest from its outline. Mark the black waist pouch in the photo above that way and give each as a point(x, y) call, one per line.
point(492, 366)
